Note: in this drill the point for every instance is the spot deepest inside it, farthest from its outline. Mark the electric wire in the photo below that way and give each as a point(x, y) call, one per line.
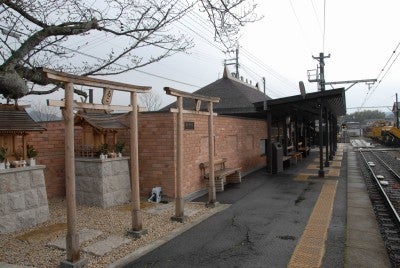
point(269, 69)
point(316, 16)
point(382, 74)
point(305, 37)
point(323, 36)
point(276, 93)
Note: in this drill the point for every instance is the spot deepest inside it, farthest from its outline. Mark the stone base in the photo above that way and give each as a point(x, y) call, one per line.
point(137, 234)
point(180, 219)
point(78, 264)
point(23, 198)
point(103, 183)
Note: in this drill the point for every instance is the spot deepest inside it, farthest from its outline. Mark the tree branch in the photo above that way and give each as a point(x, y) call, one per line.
point(35, 39)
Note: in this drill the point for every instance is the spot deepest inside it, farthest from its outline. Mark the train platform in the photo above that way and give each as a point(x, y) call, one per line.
point(292, 219)
point(364, 244)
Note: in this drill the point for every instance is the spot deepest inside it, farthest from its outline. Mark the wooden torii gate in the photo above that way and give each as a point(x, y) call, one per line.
point(212, 199)
point(72, 239)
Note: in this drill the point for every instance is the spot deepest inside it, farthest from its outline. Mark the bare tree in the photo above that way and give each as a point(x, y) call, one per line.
point(43, 113)
point(151, 101)
point(50, 33)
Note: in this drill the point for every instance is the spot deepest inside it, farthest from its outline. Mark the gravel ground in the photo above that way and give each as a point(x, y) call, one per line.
point(29, 247)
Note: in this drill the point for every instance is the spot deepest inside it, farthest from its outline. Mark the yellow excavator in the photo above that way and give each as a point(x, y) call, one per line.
point(384, 132)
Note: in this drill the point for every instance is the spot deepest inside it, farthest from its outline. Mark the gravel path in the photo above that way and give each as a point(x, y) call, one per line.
point(29, 248)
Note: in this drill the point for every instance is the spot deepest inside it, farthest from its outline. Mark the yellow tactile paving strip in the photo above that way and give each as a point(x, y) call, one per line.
point(303, 177)
point(311, 247)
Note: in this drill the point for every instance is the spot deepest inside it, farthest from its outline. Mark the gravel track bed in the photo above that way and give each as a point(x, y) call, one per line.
point(29, 248)
point(388, 225)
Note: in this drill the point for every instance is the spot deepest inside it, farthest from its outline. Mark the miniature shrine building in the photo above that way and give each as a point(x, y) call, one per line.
point(15, 125)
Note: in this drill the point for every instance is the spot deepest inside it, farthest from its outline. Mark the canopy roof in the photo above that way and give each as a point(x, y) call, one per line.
point(308, 105)
point(16, 120)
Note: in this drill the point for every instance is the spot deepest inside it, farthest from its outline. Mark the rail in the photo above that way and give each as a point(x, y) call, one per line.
point(381, 189)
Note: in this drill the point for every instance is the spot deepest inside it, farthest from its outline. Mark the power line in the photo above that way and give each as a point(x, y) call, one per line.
point(316, 16)
point(323, 37)
point(300, 26)
point(269, 69)
point(381, 74)
point(391, 56)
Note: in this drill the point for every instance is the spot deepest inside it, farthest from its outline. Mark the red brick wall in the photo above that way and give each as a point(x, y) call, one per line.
point(235, 139)
point(50, 145)
point(156, 152)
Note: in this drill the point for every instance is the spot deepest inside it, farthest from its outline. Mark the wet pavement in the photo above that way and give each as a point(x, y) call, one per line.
point(261, 228)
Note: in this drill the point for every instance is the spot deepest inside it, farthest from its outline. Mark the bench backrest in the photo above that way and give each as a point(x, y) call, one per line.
point(218, 164)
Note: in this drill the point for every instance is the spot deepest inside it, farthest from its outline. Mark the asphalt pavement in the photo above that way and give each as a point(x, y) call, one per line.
point(260, 229)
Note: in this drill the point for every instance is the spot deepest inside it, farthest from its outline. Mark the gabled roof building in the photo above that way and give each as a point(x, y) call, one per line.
point(236, 97)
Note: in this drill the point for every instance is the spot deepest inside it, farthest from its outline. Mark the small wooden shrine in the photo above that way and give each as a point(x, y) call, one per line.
point(23, 184)
point(15, 125)
point(97, 126)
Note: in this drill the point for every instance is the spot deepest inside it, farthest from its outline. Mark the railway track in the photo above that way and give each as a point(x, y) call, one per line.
point(381, 173)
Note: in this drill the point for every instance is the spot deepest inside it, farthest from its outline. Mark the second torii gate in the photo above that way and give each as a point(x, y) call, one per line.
point(72, 239)
point(212, 197)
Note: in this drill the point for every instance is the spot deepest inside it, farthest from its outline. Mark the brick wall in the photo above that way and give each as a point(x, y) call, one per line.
point(50, 145)
point(236, 139)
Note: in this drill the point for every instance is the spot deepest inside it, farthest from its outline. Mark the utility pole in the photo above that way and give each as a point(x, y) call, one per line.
point(397, 112)
point(236, 61)
point(321, 78)
point(265, 96)
point(321, 82)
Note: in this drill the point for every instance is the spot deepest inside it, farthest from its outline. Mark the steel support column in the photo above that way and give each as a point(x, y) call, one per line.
point(327, 138)
point(321, 172)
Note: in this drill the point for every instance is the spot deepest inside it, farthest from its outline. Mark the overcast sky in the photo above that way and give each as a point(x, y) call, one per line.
point(360, 36)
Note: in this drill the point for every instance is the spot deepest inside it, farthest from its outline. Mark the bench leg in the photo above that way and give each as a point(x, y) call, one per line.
point(219, 184)
point(234, 178)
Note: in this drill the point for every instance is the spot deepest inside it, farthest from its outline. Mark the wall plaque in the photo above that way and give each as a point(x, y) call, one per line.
point(189, 125)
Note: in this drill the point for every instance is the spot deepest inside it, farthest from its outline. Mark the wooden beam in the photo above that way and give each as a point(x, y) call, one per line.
point(92, 82)
point(179, 93)
point(59, 103)
point(198, 105)
point(212, 195)
point(175, 110)
point(72, 239)
point(179, 209)
point(137, 222)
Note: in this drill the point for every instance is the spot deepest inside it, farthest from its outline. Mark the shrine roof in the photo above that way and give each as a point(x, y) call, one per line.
point(16, 120)
point(101, 121)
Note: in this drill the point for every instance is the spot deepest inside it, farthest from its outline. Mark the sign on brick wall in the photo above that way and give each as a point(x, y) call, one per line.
point(189, 125)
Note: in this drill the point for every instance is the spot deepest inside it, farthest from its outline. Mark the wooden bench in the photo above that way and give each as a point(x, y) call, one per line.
point(304, 150)
point(293, 155)
point(222, 174)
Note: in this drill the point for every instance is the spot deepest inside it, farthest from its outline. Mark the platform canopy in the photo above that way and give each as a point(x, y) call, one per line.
point(307, 105)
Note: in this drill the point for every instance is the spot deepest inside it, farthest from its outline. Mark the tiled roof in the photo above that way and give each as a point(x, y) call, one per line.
point(235, 96)
point(16, 120)
point(101, 121)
